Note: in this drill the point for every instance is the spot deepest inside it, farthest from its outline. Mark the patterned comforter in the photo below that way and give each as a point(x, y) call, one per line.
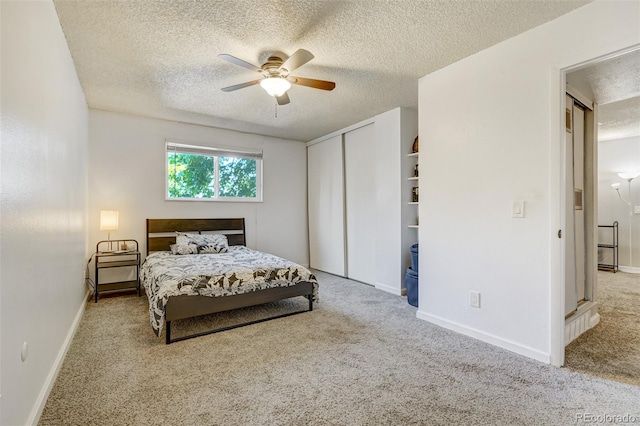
point(241, 270)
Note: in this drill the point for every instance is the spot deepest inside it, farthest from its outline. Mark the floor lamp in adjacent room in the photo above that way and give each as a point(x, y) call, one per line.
point(629, 176)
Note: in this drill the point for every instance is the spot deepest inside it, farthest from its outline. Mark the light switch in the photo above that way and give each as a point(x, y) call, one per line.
point(517, 209)
point(636, 209)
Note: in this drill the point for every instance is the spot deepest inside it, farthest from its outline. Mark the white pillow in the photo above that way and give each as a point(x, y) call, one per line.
point(182, 239)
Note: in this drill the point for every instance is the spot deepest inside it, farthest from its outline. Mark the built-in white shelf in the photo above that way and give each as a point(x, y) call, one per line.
point(415, 179)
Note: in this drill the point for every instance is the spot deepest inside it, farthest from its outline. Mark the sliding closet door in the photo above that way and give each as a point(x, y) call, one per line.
point(326, 206)
point(575, 244)
point(570, 294)
point(360, 177)
point(579, 208)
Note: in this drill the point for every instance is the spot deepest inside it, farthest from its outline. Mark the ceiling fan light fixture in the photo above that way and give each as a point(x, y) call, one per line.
point(275, 77)
point(275, 86)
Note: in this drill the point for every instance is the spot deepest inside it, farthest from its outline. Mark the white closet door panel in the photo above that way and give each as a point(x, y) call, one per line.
point(326, 206)
point(570, 295)
point(578, 181)
point(360, 177)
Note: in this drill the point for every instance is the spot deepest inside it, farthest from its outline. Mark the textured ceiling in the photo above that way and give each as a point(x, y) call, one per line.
point(159, 58)
point(619, 120)
point(614, 84)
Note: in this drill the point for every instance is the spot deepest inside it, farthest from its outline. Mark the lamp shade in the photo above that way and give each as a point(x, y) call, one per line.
point(275, 86)
point(615, 185)
point(629, 175)
point(108, 220)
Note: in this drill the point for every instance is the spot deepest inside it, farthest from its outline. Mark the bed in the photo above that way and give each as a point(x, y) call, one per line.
point(188, 286)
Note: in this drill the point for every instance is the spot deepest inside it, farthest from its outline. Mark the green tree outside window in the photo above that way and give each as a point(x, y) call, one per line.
point(237, 177)
point(191, 176)
point(194, 176)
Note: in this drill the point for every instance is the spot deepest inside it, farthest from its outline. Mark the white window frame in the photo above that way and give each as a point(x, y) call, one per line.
point(216, 152)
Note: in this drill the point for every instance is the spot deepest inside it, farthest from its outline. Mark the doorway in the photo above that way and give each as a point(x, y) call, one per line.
point(611, 83)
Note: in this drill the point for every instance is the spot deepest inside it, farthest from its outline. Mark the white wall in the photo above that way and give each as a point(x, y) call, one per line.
point(42, 205)
point(127, 173)
point(490, 133)
point(616, 156)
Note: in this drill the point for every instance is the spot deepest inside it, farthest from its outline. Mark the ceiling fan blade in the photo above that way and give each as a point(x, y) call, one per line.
point(240, 86)
point(316, 84)
point(239, 62)
point(284, 99)
point(298, 59)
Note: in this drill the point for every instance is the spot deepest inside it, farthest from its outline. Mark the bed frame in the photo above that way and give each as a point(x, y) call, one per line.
point(161, 234)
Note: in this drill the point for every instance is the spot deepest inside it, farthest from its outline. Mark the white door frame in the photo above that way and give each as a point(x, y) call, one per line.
point(557, 87)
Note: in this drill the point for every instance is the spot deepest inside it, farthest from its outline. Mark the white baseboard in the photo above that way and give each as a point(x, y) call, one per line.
point(391, 289)
point(36, 411)
point(585, 318)
point(595, 319)
point(629, 269)
point(486, 337)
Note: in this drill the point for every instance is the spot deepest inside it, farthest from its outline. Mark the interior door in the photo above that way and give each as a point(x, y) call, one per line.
point(360, 187)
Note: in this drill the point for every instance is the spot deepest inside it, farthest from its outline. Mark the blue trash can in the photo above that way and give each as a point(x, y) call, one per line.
point(411, 283)
point(414, 257)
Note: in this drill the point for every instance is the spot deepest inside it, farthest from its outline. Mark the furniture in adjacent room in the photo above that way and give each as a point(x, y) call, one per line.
point(608, 247)
point(125, 258)
point(211, 291)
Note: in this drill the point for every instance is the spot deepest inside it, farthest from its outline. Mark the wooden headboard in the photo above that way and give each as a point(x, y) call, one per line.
point(161, 232)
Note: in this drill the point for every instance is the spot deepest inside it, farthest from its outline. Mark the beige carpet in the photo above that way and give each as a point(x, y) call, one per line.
point(612, 348)
point(360, 358)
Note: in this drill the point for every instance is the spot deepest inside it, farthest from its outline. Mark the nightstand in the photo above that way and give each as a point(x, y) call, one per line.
point(117, 255)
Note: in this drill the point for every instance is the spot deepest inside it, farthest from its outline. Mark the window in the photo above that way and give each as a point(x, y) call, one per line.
point(218, 174)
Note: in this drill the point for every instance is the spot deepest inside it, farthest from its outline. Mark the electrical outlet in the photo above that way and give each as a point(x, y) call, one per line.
point(474, 299)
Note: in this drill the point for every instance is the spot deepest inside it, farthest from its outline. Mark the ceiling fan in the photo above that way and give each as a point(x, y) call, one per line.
point(276, 78)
